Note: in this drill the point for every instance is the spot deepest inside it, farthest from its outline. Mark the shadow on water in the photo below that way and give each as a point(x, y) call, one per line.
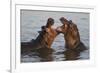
point(74, 54)
point(39, 55)
point(51, 54)
point(45, 54)
point(71, 54)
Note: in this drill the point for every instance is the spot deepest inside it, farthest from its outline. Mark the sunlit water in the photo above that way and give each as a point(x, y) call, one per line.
point(31, 22)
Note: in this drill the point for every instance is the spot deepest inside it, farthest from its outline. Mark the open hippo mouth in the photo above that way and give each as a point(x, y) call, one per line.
point(63, 29)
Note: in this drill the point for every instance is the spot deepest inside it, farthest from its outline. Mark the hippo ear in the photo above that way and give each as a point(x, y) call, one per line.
point(43, 27)
point(39, 31)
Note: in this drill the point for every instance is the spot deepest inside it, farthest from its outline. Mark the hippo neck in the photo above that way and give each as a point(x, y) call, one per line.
point(51, 37)
point(39, 41)
point(71, 42)
point(72, 46)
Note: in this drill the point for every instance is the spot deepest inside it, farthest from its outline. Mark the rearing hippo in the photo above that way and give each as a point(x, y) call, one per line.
point(71, 35)
point(44, 40)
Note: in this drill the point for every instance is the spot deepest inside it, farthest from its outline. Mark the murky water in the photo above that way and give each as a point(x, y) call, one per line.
point(31, 22)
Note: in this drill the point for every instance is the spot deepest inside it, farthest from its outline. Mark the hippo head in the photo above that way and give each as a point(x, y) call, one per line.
point(45, 29)
point(63, 29)
point(50, 22)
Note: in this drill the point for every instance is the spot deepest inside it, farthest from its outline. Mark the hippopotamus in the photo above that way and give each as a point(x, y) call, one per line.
point(44, 39)
point(71, 35)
